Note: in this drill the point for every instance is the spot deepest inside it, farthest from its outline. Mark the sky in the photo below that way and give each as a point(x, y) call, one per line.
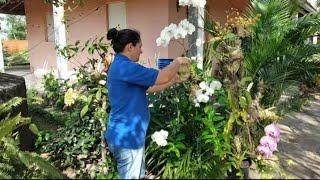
point(3, 26)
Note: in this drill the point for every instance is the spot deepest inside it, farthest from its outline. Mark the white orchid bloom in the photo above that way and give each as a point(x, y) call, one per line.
point(160, 137)
point(102, 82)
point(159, 41)
point(184, 2)
point(249, 86)
point(200, 64)
point(103, 73)
point(187, 26)
point(199, 42)
point(194, 3)
point(198, 3)
point(209, 91)
point(193, 58)
point(166, 34)
point(215, 85)
point(172, 29)
point(196, 103)
point(203, 98)
point(203, 85)
point(163, 41)
point(190, 28)
point(180, 33)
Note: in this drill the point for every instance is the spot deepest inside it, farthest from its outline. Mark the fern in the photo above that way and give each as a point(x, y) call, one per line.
point(7, 107)
point(9, 124)
point(5, 169)
point(10, 153)
point(32, 159)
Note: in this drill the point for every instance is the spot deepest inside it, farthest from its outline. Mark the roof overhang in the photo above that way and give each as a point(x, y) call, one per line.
point(13, 7)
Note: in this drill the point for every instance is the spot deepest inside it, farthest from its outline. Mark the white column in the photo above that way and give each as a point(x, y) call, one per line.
point(196, 16)
point(60, 40)
point(1, 58)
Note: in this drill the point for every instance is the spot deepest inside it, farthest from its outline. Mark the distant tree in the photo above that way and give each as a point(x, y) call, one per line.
point(16, 27)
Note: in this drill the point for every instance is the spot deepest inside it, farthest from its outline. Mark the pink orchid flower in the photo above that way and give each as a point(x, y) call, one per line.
point(270, 142)
point(265, 151)
point(273, 130)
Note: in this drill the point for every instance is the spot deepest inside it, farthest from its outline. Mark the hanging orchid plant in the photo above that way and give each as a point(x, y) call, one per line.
point(234, 135)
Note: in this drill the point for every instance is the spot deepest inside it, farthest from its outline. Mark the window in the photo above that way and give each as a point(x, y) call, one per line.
point(117, 15)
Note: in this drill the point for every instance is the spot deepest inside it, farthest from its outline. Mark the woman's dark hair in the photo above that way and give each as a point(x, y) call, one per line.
point(119, 39)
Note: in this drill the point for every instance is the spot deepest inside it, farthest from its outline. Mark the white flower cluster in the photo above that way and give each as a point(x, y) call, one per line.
point(160, 137)
point(194, 3)
point(175, 31)
point(102, 82)
point(206, 90)
point(199, 60)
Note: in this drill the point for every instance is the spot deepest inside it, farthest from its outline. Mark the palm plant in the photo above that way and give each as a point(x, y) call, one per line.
point(277, 53)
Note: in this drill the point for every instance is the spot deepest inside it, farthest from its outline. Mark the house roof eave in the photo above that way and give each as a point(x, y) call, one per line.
point(13, 7)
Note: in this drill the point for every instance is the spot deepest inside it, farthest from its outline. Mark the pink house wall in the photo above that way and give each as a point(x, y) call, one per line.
point(150, 19)
point(90, 21)
point(83, 23)
point(40, 50)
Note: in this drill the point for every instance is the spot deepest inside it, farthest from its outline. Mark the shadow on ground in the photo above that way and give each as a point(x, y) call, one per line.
point(299, 148)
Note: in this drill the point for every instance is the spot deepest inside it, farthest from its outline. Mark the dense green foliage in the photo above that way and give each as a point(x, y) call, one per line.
point(205, 141)
point(79, 146)
point(19, 58)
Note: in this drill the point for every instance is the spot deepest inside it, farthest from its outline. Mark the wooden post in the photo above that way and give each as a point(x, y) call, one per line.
point(195, 17)
point(1, 58)
point(60, 40)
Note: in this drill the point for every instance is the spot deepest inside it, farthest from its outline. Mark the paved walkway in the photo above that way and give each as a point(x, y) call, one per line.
point(299, 148)
point(24, 71)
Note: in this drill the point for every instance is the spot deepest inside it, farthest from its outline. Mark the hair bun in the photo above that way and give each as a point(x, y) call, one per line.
point(112, 34)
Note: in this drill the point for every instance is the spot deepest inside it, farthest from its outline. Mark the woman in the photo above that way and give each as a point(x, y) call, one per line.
point(128, 82)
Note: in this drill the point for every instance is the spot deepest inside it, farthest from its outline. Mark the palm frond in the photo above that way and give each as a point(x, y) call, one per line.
point(277, 53)
point(305, 27)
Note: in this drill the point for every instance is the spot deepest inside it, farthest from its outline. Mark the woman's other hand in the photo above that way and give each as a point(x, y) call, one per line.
point(183, 60)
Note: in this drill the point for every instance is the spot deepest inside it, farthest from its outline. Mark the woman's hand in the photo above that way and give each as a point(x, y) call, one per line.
point(183, 60)
point(177, 79)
